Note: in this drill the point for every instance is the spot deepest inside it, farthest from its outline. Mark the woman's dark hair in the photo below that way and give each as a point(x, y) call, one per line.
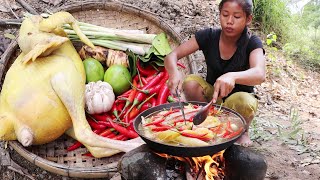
point(242, 43)
point(245, 4)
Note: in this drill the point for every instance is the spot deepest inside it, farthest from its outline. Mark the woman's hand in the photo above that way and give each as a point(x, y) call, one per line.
point(170, 63)
point(175, 81)
point(223, 86)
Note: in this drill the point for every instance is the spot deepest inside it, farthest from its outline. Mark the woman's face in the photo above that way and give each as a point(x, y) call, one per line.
point(233, 19)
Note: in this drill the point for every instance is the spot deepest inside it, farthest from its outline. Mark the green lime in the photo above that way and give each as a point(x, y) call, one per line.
point(118, 76)
point(94, 70)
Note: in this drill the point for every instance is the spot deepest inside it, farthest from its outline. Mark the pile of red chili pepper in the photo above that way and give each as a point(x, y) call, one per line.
point(149, 89)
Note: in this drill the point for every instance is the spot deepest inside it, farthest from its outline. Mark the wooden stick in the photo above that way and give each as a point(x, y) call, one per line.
point(8, 22)
point(8, 5)
point(25, 5)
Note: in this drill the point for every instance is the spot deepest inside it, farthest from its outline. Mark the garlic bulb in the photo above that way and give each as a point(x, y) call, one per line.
point(99, 97)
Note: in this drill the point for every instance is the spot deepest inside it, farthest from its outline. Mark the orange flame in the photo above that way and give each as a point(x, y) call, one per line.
point(212, 165)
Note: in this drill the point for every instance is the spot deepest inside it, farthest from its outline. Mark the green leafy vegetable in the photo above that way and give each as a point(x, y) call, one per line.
point(132, 62)
point(161, 44)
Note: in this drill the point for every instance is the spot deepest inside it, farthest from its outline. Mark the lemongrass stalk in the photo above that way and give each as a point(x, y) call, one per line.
point(91, 27)
point(139, 38)
point(142, 38)
point(140, 49)
point(74, 36)
point(118, 45)
point(107, 30)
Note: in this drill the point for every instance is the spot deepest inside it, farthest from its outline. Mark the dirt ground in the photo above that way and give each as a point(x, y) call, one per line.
point(286, 128)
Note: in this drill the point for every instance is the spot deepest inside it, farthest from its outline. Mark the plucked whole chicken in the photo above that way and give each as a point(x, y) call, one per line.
point(43, 92)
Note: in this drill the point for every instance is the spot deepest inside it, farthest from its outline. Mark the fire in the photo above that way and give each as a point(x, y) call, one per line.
point(212, 165)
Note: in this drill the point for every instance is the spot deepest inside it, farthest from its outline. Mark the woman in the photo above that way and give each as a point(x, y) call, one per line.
point(235, 63)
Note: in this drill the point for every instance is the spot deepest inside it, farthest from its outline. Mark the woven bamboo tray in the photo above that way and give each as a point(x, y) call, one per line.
point(53, 156)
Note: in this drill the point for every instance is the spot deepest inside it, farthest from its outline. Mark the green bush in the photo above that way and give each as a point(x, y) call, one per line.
point(298, 34)
point(272, 16)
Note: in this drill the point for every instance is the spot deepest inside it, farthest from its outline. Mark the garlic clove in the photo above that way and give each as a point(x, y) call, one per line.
point(97, 103)
point(107, 85)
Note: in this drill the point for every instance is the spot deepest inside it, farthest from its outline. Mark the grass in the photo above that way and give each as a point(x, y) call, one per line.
point(292, 134)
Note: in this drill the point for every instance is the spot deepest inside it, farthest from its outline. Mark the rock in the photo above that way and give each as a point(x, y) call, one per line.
point(172, 15)
point(141, 163)
point(176, 8)
point(155, 6)
point(244, 163)
point(165, 15)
